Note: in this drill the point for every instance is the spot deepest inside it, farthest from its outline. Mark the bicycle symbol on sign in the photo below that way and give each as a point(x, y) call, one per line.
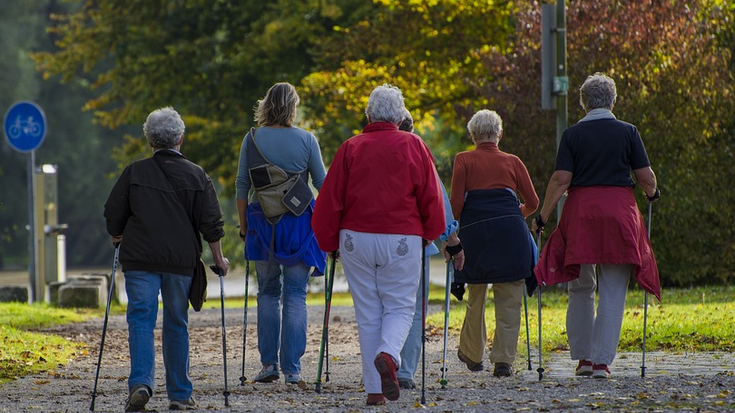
point(28, 127)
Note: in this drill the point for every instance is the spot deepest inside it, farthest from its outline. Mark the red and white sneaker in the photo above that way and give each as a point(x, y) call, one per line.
point(584, 368)
point(388, 381)
point(600, 371)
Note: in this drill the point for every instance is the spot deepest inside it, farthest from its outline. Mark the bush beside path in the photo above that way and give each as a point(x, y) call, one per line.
point(696, 382)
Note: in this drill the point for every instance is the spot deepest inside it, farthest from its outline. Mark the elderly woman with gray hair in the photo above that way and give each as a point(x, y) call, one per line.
point(601, 238)
point(161, 205)
point(487, 188)
point(381, 200)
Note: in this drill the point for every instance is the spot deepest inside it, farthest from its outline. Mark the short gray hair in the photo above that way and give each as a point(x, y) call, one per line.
point(598, 91)
point(278, 107)
point(386, 105)
point(486, 125)
point(164, 128)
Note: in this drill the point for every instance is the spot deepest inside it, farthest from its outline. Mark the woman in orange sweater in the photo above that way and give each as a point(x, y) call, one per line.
point(487, 186)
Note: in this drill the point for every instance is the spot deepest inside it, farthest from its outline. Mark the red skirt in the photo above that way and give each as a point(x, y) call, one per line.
point(599, 225)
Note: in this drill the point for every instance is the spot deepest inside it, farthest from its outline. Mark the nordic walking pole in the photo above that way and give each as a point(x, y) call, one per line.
point(221, 275)
point(328, 284)
point(243, 379)
point(645, 302)
point(424, 286)
point(528, 338)
point(447, 285)
point(104, 325)
point(327, 303)
point(329, 306)
point(540, 368)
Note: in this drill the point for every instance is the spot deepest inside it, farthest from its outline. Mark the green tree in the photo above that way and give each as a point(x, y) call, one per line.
point(72, 143)
point(670, 62)
point(210, 59)
point(428, 49)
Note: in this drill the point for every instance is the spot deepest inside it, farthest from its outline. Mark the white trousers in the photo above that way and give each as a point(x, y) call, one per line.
point(382, 273)
point(595, 337)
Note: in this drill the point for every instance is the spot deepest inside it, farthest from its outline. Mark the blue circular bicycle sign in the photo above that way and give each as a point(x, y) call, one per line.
point(24, 126)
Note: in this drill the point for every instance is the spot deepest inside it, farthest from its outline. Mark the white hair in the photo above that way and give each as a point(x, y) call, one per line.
point(386, 105)
point(598, 91)
point(164, 128)
point(485, 125)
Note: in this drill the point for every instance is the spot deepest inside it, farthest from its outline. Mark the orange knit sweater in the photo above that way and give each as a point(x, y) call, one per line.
point(487, 167)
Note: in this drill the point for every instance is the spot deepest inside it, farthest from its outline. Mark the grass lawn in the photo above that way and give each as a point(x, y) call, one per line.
point(25, 352)
point(694, 319)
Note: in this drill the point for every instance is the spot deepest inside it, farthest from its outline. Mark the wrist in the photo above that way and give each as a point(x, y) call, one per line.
point(241, 234)
point(453, 250)
point(539, 221)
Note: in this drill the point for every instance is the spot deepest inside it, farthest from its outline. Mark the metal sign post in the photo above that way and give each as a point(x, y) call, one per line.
point(554, 80)
point(24, 126)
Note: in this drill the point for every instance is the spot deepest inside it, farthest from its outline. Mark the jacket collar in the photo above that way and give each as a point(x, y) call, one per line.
point(168, 152)
point(488, 146)
point(379, 126)
point(596, 114)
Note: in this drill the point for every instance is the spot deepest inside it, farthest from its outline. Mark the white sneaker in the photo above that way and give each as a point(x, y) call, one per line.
point(190, 404)
point(293, 378)
point(267, 374)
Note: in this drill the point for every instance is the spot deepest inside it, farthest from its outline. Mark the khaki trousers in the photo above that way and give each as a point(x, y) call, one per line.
point(508, 298)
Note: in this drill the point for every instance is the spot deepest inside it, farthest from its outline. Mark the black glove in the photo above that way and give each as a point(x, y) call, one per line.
point(457, 290)
point(453, 250)
point(656, 195)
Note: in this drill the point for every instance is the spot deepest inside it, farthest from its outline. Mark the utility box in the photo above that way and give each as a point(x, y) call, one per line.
point(48, 238)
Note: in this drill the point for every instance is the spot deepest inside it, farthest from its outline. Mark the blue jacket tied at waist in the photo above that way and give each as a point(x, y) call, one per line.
point(495, 237)
point(293, 242)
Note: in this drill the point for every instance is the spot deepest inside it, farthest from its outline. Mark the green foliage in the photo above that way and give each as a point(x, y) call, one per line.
point(212, 60)
point(73, 143)
point(427, 49)
point(670, 62)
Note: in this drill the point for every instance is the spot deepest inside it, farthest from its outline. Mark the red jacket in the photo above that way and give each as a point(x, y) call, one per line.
point(382, 181)
point(599, 225)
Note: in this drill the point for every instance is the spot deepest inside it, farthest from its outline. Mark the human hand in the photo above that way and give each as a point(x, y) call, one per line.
point(116, 240)
point(223, 264)
point(656, 195)
point(537, 225)
point(459, 261)
point(334, 255)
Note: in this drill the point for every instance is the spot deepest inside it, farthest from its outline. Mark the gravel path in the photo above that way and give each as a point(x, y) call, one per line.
point(674, 381)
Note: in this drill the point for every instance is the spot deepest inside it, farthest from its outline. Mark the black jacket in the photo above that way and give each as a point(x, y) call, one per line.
point(156, 204)
point(495, 237)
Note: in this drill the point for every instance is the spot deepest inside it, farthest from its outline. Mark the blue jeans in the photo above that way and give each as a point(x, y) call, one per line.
point(282, 330)
point(411, 352)
point(142, 288)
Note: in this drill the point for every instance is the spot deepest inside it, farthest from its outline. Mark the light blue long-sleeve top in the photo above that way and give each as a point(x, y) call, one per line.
point(292, 149)
point(452, 224)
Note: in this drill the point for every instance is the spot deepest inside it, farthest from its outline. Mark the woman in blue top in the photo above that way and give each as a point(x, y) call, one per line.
point(284, 252)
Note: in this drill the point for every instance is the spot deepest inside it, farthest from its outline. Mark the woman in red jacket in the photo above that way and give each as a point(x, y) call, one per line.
point(381, 200)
